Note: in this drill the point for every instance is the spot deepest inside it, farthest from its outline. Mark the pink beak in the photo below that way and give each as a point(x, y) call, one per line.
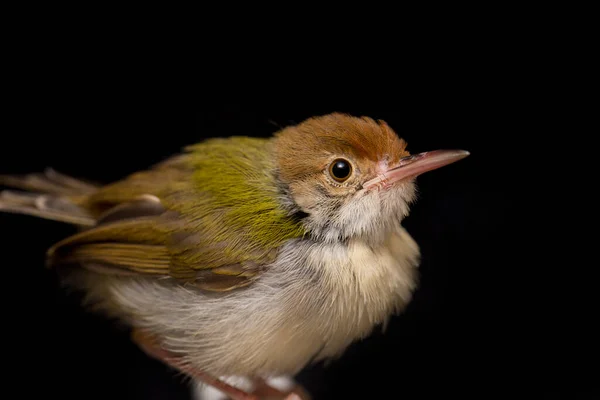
point(413, 166)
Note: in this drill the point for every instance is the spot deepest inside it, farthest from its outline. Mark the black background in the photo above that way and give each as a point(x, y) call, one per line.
point(491, 314)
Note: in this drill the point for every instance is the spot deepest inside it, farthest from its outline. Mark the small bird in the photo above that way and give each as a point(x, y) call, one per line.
point(245, 257)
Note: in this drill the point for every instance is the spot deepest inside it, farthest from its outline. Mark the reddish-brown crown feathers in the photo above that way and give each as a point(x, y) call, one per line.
point(302, 148)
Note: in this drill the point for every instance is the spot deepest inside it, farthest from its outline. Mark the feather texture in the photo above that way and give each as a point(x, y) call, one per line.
point(46, 195)
point(209, 216)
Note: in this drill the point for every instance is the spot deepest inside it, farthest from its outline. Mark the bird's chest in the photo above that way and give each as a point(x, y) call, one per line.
point(355, 286)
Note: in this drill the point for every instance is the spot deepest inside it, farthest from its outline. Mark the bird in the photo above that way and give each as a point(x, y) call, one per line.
point(243, 256)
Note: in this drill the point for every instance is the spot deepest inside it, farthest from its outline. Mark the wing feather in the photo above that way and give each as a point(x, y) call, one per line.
point(178, 220)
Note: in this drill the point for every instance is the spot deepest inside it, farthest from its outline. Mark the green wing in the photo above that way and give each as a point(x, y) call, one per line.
point(209, 216)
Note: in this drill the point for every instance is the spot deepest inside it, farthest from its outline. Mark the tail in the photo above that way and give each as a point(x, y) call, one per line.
point(46, 195)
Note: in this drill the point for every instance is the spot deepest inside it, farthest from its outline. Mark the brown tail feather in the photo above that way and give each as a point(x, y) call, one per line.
point(48, 182)
point(47, 195)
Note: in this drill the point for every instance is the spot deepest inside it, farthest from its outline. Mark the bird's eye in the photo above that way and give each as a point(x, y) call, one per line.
point(340, 170)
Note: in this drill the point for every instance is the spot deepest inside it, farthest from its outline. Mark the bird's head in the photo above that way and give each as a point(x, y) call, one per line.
point(352, 177)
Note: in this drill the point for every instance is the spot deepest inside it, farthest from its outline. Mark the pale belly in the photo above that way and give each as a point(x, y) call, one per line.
point(311, 304)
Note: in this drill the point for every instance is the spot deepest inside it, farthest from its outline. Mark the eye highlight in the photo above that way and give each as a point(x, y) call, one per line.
point(340, 169)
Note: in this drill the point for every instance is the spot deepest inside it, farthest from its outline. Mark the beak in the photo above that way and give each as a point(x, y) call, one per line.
point(413, 166)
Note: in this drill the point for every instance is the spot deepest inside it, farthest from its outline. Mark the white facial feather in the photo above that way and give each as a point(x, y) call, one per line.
point(369, 215)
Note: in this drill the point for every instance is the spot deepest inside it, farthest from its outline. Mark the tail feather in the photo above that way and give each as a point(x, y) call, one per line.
point(49, 182)
point(46, 195)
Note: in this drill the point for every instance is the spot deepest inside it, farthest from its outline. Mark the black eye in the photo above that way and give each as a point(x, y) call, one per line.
point(340, 170)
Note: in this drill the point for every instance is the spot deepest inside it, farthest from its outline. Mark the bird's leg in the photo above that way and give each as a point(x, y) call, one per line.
point(264, 390)
point(150, 346)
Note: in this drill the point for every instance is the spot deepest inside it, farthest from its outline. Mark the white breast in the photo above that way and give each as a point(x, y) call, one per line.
point(311, 304)
point(365, 285)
